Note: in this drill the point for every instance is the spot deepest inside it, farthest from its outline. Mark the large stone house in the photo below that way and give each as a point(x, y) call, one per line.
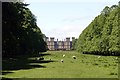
point(59, 45)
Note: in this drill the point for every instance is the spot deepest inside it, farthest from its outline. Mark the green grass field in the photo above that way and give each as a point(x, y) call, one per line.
point(84, 66)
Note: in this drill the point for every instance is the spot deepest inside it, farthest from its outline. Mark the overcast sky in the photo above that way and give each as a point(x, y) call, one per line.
point(66, 18)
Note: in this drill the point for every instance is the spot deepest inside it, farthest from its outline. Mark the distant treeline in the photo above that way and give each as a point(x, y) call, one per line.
point(20, 33)
point(102, 36)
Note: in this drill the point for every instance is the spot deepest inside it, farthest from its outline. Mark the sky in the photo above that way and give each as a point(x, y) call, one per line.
point(66, 18)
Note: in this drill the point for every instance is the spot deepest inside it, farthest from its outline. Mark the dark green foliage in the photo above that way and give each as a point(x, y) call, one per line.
point(20, 33)
point(102, 36)
point(74, 44)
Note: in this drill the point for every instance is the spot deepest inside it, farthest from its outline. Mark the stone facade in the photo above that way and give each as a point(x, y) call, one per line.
point(59, 45)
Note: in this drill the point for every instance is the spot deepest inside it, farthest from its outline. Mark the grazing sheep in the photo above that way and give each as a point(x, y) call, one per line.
point(116, 58)
point(37, 59)
point(40, 58)
point(74, 57)
point(63, 55)
point(62, 60)
point(99, 56)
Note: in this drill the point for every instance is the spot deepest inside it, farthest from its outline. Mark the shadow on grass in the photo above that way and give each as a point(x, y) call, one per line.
point(45, 54)
point(6, 72)
point(21, 62)
point(6, 78)
point(39, 54)
point(42, 61)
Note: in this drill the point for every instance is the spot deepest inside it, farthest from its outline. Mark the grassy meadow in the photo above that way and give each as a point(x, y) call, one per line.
point(84, 66)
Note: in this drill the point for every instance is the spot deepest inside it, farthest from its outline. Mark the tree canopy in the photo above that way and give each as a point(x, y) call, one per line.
point(102, 35)
point(20, 33)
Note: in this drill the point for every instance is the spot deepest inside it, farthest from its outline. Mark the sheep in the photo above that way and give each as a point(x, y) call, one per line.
point(62, 60)
point(116, 58)
point(74, 57)
point(39, 58)
point(99, 56)
point(63, 55)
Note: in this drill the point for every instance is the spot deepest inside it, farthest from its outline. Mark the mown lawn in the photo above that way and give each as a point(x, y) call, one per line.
point(84, 66)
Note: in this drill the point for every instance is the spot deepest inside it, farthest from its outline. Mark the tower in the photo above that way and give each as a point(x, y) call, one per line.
point(67, 43)
point(72, 43)
point(51, 43)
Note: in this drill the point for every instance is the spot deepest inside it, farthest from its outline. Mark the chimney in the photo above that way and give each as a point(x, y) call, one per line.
point(68, 39)
point(51, 38)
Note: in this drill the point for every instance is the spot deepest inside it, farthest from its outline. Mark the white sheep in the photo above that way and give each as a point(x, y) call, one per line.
point(63, 55)
point(74, 57)
point(99, 56)
point(116, 58)
point(62, 60)
point(37, 59)
point(40, 58)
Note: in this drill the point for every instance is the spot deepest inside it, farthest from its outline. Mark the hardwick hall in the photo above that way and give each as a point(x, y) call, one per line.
point(59, 45)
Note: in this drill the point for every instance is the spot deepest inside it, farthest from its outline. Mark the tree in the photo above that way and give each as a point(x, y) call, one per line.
point(21, 34)
point(102, 34)
point(74, 44)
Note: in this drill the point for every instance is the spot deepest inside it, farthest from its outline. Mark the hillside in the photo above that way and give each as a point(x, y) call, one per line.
point(102, 35)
